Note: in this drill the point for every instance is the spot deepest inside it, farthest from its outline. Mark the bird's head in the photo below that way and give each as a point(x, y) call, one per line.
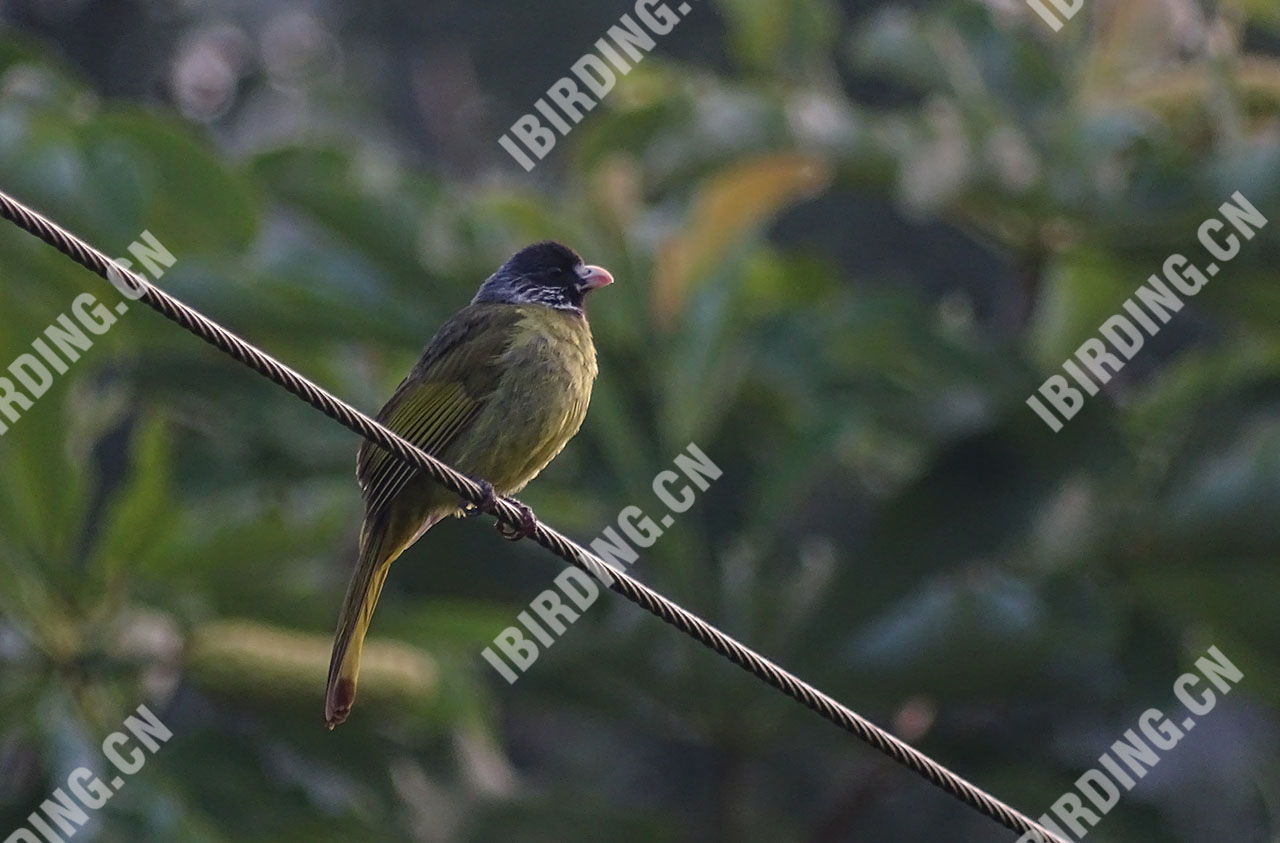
point(545, 273)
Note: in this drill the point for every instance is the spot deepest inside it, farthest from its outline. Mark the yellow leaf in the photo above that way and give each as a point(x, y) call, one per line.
point(244, 658)
point(730, 206)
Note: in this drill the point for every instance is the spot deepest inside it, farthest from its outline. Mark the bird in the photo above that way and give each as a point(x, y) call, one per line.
point(498, 392)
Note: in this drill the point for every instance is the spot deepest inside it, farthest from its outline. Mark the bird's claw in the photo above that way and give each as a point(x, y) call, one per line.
point(489, 505)
point(528, 523)
point(488, 500)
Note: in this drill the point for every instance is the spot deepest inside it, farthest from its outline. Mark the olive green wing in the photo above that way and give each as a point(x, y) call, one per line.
point(446, 390)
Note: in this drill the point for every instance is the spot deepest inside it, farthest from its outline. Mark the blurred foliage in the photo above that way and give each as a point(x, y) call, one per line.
point(850, 239)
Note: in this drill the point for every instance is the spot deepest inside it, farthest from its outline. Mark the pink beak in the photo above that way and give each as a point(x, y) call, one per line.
point(594, 277)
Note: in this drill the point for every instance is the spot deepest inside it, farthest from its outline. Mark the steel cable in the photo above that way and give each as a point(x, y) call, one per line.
point(643, 596)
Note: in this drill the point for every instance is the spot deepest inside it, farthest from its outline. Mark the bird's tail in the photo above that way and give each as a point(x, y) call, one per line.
point(378, 549)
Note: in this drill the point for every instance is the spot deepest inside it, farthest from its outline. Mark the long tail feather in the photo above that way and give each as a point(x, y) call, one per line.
point(377, 551)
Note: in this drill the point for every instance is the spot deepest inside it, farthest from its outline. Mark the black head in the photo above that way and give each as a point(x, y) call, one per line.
point(545, 273)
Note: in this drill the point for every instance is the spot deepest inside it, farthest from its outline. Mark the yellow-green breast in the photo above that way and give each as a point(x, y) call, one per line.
point(498, 393)
point(539, 402)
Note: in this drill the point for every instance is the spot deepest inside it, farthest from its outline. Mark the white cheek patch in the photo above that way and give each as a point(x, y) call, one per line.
point(520, 290)
point(549, 296)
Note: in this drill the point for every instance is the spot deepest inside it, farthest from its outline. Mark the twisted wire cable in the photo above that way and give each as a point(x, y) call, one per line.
point(648, 599)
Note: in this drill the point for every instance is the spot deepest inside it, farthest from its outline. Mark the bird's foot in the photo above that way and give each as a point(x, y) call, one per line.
point(488, 500)
point(489, 505)
point(528, 523)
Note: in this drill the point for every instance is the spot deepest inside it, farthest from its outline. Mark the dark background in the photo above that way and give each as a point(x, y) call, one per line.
point(850, 240)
